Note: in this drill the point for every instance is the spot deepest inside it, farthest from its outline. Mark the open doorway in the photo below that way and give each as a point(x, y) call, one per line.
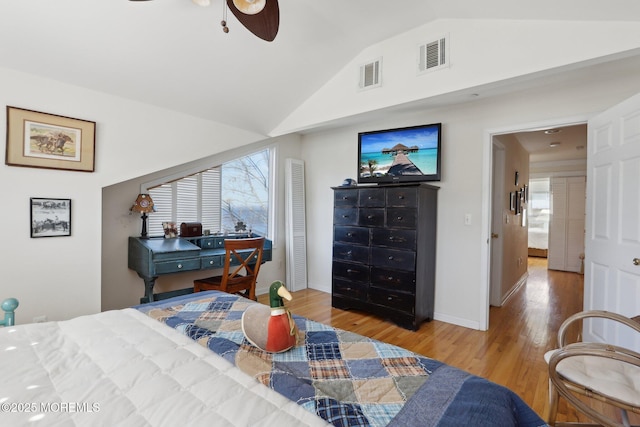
point(539, 213)
point(552, 152)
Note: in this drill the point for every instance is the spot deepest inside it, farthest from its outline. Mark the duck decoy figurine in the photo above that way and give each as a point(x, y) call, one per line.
point(271, 329)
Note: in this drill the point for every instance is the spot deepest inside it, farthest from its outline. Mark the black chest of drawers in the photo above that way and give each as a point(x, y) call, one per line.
point(384, 250)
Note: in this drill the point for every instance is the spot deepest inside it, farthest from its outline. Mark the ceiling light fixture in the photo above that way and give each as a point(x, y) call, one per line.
point(261, 17)
point(250, 7)
point(552, 131)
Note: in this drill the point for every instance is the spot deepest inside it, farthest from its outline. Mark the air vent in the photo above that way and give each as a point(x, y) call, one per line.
point(370, 74)
point(433, 55)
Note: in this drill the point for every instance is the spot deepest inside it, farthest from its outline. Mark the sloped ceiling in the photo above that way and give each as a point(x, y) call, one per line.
point(173, 53)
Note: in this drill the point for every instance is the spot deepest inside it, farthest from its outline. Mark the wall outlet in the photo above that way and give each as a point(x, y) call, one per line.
point(39, 319)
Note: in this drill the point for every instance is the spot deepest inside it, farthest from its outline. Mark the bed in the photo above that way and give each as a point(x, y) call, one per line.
point(185, 361)
point(538, 242)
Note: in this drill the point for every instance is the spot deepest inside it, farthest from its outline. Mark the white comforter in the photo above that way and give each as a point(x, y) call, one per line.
point(122, 368)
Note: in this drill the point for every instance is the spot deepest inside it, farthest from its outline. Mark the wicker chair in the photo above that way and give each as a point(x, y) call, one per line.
point(600, 371)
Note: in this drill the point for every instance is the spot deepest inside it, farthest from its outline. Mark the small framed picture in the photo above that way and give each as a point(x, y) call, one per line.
point(50, 217)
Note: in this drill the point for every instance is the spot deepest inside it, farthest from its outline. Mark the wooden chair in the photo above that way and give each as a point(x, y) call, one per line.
point(248, 255)
point(599, 371)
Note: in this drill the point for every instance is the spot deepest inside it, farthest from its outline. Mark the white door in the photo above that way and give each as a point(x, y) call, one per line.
point(612, 278)
point(497, 212)
point(558, 224)
point(566, 225)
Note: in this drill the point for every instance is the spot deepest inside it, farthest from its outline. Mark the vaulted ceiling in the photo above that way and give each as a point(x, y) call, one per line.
point(174, 54)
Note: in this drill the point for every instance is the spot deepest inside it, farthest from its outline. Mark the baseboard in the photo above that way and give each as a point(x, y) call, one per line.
point(514, 289)
point(322, 288)
point(458, 321)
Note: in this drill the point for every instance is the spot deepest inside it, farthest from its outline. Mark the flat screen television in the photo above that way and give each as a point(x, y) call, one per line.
point(408, 154)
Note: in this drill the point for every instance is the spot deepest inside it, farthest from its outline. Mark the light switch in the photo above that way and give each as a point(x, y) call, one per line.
point(467, 219)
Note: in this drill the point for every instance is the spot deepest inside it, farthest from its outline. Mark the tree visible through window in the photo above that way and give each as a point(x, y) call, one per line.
point(245, 193)
point(223, 198)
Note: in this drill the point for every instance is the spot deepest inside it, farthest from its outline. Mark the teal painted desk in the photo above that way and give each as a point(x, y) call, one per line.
point(157, 256)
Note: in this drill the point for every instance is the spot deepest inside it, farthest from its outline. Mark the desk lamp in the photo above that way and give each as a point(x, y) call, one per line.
point(143, 205)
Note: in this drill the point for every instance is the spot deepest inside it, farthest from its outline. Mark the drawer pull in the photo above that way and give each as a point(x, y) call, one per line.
point(349, 271)
point(345, 198)
point(390, 278)
point(401, 197)
point(390, 257)
point(369, 216)
point(211, 262)
point(391, 238)
point(345, 216)
point(349, 253)
point(179, 265)
point(349, 234)
point(389, 298)
point(399, 218)
point(370, 198)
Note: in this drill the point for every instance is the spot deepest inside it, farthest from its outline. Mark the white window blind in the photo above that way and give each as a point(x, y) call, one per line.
point(162, 197)
point(211, 199)
point(221, 197)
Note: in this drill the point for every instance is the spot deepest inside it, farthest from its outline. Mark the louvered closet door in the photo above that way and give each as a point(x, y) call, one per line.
point(295, 226)
point(566, 225)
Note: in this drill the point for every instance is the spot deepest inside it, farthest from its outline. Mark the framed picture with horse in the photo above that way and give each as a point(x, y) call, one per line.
point(50, 217)
point(41, 140)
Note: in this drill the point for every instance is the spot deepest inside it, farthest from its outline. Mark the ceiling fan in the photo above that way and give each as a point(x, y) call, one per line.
point(261, 17)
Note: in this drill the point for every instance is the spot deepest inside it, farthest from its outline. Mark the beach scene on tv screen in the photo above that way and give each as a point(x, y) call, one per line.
point(400, 152)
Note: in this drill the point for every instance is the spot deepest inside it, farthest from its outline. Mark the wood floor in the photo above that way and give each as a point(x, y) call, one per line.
point(510, 353)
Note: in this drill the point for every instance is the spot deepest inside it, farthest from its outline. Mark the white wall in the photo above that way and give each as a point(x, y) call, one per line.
point(481, 53)
point(460, 292)
point(122, 287)
point(60, 276)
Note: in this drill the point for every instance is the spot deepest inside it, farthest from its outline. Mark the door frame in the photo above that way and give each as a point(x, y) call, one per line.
point(487, 201)
point(496, 244)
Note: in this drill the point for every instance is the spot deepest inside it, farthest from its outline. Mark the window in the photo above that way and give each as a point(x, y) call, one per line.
point(223, 198)
point(539, 211)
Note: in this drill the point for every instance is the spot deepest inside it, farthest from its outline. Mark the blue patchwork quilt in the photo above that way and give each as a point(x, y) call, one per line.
point(345, 378)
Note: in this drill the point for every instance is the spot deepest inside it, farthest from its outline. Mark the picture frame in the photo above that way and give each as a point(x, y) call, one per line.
point(42, 140)
point(50, 217)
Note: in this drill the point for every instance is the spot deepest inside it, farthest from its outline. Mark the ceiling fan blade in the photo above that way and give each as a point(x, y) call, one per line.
point(263, 24)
